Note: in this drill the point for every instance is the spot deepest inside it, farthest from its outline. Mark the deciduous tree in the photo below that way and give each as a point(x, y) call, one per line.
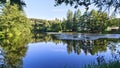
point(98, 3)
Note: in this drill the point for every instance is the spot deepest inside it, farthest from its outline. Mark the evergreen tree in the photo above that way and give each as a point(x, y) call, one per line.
point(69, 23)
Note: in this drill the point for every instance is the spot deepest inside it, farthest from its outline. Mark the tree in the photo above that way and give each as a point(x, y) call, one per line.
point(78, 15)
point(98, 21)
point(69, 15)
point(69, 23)
point(13, 21)
point(83, 24)
point(74, 27)
point(46, 25)
point(20, 3)
point(76, 20)
point(56, 25)
point(114, 22)
point(63, 24)
point(94, 21)
point(98, 3)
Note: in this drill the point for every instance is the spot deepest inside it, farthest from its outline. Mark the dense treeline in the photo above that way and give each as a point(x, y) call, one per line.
point(93, 21)
point(40, 25)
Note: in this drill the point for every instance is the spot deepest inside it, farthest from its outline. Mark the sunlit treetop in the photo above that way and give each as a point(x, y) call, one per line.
point(20, 3)
point(107, 4)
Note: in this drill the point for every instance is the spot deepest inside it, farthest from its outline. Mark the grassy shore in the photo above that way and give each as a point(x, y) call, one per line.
point(110, 64)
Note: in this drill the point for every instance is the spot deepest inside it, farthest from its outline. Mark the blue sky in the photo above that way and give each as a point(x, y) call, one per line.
point(45, 9)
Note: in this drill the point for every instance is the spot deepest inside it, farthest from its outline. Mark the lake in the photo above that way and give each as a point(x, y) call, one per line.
point(61, 50)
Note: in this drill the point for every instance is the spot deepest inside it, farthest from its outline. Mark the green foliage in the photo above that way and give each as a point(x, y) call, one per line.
point(96, 21)
point(101, 4)
point(56, 25)
point(93, 21)
point(1, 35)
point(13, 21)
point(114, 22)
point(72, 20)
point(63, 25)
point(110, 64)
point(40, 25)
point(14, 35)
point(20, 3)
point(69, 23)
point(13, 49)
point(90, 22)
point(76, 20)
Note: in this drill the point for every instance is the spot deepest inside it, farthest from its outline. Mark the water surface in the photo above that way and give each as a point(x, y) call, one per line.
point(59, 50)
point(70, 50)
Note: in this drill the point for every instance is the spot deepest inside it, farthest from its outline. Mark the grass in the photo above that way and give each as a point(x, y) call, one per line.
point(110, 64)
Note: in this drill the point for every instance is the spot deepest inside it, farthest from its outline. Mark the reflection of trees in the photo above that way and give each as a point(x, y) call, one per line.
point(115, 51)
point(113, 45)
point(44, 38)
point(41, 38)
point(13, 50)
point(73, 45)
point(87, 46)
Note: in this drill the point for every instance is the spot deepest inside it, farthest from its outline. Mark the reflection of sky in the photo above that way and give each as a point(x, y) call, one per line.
point(86, 36)
point(52, 55)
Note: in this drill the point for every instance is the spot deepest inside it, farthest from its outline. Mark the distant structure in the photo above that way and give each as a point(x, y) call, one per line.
point(113, 28)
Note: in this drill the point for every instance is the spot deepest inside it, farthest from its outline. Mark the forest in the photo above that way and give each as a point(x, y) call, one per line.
point(89, 22)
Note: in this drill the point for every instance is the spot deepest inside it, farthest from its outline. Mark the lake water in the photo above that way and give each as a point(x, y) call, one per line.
point(65, 50)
